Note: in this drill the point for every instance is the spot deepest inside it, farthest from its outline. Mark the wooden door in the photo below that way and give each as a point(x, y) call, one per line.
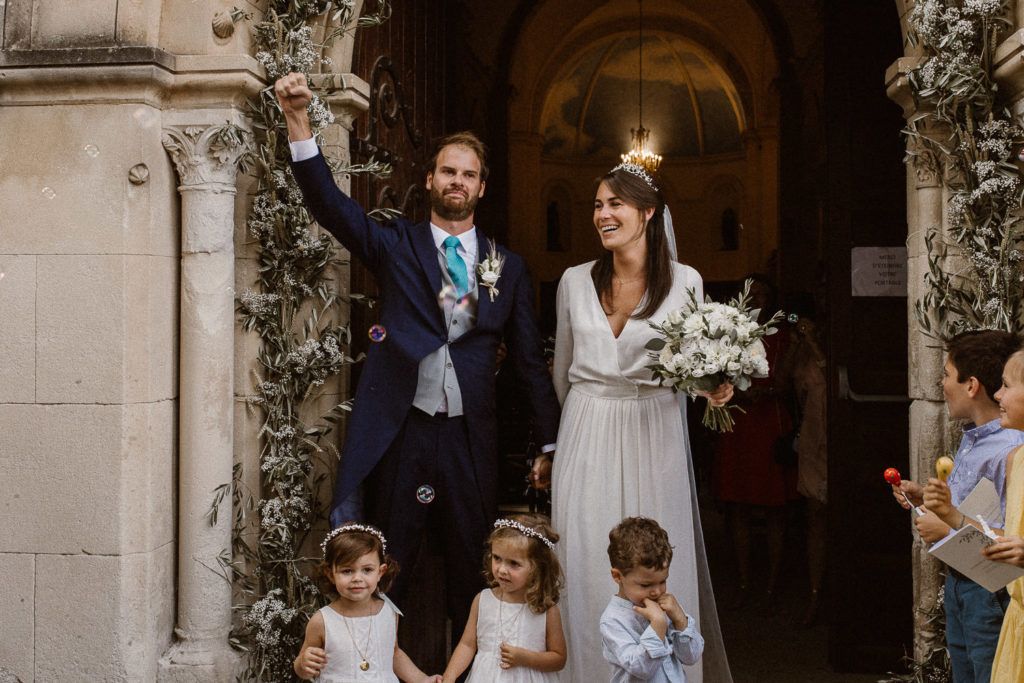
point(869, 573)
point(406, 63)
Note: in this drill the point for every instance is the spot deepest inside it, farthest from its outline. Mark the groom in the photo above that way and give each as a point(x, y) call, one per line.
point(421, 442)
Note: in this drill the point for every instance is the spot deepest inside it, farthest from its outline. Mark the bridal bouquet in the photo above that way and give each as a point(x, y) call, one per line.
point(704, 344)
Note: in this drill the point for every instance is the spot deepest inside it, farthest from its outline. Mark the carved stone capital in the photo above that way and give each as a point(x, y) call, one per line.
point(349, 103)
point(897, 84)
point(927, 168)
point(206, 157)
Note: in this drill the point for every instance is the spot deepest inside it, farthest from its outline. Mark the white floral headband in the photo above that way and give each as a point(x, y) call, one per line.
point(346, 528)
point(639, 172)
point(525, 530)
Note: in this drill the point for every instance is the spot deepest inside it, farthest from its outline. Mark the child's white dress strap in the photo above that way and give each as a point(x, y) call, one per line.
point(387, 601)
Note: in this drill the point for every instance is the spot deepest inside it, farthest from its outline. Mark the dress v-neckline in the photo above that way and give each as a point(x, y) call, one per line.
point(607, 322)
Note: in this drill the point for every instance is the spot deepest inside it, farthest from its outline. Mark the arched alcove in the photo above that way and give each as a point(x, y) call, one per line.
point(725, 212)
point(689, 100)
point(558, 208)
point(709, 100)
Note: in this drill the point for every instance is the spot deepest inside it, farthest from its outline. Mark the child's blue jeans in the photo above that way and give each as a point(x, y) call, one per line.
point(974, 617)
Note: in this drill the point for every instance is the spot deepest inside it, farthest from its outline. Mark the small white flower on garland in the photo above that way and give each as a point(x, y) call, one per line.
point(489, 270)
point(366, 529)
point(525, 530)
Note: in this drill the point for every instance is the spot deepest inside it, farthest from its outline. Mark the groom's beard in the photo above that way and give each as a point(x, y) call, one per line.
point(453, 206)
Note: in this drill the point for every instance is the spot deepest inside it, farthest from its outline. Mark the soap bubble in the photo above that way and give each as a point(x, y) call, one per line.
point(92, 150)
point(425, 494)
point(377, 333)
point(48, 192)
point(449, 297)
point(144, 116)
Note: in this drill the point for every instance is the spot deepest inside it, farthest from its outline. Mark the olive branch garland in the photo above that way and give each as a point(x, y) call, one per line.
point(966, 136)
point(298, 317)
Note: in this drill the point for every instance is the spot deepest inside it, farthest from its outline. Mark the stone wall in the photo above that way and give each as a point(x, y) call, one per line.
point(121, 361)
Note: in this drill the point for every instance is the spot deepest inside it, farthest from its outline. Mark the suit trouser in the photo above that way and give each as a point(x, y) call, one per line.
point(434, 451)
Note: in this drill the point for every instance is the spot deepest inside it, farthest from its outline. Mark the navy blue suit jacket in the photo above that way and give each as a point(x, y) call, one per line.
point(403, 259)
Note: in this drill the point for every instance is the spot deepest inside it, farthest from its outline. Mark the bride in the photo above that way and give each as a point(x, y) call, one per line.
point(623, 448)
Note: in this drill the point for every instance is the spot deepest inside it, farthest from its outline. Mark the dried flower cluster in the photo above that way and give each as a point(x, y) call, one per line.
point(975, 274)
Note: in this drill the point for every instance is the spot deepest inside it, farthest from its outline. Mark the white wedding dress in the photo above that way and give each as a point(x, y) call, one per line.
point(623, 451)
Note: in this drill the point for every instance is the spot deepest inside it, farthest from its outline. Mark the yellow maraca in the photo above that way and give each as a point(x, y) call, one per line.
point(943, 466)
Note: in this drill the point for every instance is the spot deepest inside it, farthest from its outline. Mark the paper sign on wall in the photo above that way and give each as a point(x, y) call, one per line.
point(878, 271)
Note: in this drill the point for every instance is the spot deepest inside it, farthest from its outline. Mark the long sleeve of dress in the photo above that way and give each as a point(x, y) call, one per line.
point(563, 343)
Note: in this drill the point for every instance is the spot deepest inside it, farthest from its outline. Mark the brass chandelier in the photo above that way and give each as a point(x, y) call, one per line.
point(639, 154)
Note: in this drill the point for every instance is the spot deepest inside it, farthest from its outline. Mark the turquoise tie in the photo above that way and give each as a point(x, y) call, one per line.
point(456, 266)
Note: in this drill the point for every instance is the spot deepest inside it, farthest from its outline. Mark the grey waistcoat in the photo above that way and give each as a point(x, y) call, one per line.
point(437, 382)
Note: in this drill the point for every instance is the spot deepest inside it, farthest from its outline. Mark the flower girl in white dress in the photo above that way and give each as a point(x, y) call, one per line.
point(515, 628)
point(353, 638)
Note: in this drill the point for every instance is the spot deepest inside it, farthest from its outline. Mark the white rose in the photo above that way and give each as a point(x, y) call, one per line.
point(755, 360)
point(675, 317)
point(715, 361)
point(666, 354)
point(678, 362)
point(744, 330)
point(757, 351)
point(718, 322)
point(489, 277)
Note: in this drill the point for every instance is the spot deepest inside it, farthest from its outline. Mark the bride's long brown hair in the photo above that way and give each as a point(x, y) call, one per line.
point(635, 192)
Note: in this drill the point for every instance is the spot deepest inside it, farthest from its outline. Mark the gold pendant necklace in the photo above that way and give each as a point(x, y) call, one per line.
point(506, 631)
point(364, 664)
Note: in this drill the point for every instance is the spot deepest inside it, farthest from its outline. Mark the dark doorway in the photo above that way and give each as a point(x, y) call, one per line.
point(869, 572)
point(842, 186)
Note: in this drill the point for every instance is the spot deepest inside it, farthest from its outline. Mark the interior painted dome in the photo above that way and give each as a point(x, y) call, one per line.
point(690, 104)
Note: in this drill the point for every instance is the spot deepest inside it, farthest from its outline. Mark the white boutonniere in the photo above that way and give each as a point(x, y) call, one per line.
point(489, 270)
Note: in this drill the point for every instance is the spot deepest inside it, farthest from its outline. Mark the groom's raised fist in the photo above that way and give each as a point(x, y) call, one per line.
point(294, 95)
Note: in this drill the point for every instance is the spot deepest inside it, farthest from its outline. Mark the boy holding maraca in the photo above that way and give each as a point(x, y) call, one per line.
point(971, 377)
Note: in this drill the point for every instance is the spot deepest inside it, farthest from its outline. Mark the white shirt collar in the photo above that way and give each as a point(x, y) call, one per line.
point(468, 241)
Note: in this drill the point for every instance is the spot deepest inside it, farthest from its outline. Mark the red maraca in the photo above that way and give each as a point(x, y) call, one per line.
point(892, 475)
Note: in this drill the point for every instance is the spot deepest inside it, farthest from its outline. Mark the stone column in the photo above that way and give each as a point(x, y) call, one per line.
point(205, 157)
point(929, 422)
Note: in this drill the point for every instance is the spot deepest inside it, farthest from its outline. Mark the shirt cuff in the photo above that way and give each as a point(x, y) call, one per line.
point(656, 647)
point(547, 448)
point(674, 631)
point(303, 149)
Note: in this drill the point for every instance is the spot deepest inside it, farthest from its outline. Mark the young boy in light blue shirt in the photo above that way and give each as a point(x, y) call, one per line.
point(971, 377)
point(646, 635)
